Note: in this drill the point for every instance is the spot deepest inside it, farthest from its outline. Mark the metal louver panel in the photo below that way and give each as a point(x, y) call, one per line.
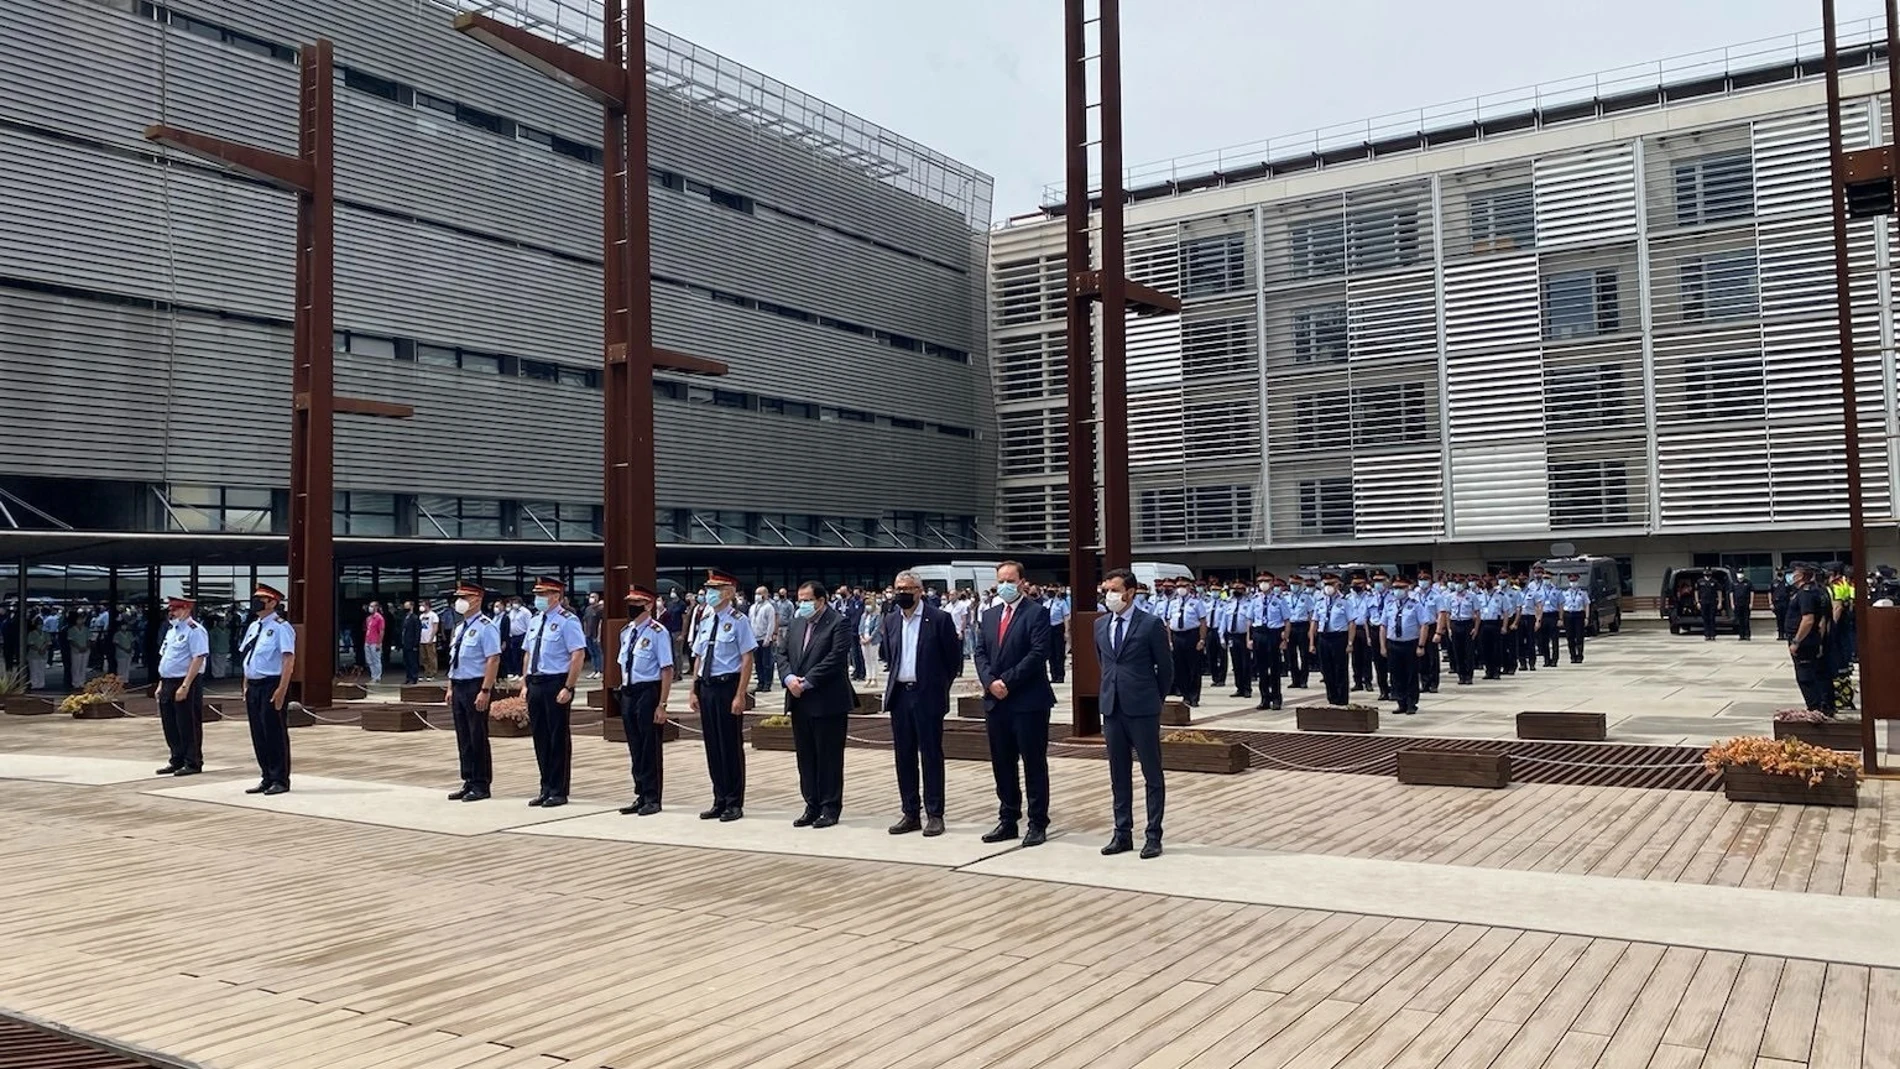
point(1392, 316)
point(1713, 477)
point(1026, 291)
point(1502, 489)
point(1493, 364)
point(1492, 302)
point(1586, 198)
point(1397, 495)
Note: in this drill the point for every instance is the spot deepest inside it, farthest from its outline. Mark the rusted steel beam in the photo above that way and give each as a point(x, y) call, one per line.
point(603, 80)
point(289, 173)
point(1139, 299)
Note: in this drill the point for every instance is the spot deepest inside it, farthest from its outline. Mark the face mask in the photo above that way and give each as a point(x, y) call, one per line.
point(461, 606)
point(1402, 591)
point(1331, 590)
point(1378, 588)
point(905, 599)
point(1008, 592)
point(1574, 584)
point(1266, 587)
point(710, 598)
point(639, 609)
point(541, 602)
point(257, 604)
point(806, 608)
point(1115, 600)
point(1455, 587)
point(1788, 578)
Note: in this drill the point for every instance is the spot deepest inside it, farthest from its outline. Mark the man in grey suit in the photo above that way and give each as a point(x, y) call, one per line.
point(819, 698)
point(1137, 670)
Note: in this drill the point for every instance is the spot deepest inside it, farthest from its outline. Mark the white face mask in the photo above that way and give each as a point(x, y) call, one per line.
point(1115, 600)
point(461, 606)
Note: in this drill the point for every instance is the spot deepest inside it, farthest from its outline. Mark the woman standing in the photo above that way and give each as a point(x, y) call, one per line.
point(79, 642)
point(870, 630)
point(35, 654)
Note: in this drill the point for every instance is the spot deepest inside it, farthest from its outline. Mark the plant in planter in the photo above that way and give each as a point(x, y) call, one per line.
point(773, 733)
point(1757, 769)
point(1800, 716)
point(508, 718)
point(1197, 751)
point(99, 692)
point(12, 683)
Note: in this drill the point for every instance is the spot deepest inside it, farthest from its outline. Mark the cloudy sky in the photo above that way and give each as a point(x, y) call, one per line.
point(981, 80)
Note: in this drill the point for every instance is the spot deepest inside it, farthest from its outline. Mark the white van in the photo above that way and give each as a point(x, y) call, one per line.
point(977, 575)
point(1149, 572)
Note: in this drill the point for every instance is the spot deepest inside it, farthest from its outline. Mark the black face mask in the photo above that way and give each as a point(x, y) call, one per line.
point(639, 609)
point(257, 605)
point(906, 599)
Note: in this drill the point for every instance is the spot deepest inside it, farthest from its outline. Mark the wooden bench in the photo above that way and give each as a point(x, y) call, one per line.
point(1580, 727)
point(1455, 768)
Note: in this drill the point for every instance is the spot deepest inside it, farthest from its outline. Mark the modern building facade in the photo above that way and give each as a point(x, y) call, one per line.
point(839, 269)
point(1600, 316)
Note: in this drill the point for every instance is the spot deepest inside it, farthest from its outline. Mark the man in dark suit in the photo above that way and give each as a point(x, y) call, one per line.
point(1137, 669)
point(411, 643)
point(1013, 647)
point(918, 644)
point(819, 698)
point(851, 604)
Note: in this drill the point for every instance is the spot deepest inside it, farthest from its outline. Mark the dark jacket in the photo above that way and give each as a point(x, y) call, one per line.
point(1137, 674)
point(1020, 659)
point(819, 652)
point(939, 654)
point(411, 630)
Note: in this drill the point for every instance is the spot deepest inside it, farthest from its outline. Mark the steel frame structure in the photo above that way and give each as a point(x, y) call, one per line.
point(311, 174)
point(1089, 286)
point(616, 80)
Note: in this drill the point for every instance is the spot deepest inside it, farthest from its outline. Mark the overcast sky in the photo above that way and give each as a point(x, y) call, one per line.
point(981, 80)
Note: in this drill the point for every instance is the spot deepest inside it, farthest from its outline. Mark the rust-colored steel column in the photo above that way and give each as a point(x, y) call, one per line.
point(313, 578)
point(1085, 682)
point(1844, 310)
point(1117, 542)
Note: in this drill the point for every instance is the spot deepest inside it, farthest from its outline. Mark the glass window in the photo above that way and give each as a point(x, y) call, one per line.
point(1382, 239)
point(1589, 493)
point(1319, 334)
point(1580, 304)
point(371, 345)
point(435, 355)
point(204, 509)
point(1326, 506)
point(365, 514)
point(1715, 188)
point(1317, 248)
point(1213, 265)
point(1719, 286)
point(1392, 414)
point(488, 362)
point(1503, 219)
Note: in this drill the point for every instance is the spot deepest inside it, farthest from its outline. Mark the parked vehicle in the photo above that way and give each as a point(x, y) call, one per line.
point(1603, 578)
point(977, 575)
point(1679, 606)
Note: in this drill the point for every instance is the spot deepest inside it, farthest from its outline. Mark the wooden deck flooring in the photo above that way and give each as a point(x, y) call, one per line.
point(240, 938)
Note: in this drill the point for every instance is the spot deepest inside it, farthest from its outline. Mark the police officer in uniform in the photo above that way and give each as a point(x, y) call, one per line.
point(1057, 602)
point(180, 691)
point(268, 654)
point(1359, 607)
point(1186, 617)
point(1269, 640)
point(722, 650)
point(556, 646)
point(1530, 612)
point(1576, 614)
point(1332, 638)
point(1493, 607)
point(645, 658)
point(1239, 636)
point(1299, 632)
point(1433, 595)
point(1709, 600)
point(474, 658)
point(1550, 623)
point(1507, 636)
point(1458, 619)
point(1742, 598)
point(1406, 624)
point(1220, 615)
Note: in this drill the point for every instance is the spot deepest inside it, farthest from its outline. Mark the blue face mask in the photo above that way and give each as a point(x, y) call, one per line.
point(541, 602)
point(1007, 591)
point(806, 608)
point(710, 597)
point(1788, 578)
point(1378, 587)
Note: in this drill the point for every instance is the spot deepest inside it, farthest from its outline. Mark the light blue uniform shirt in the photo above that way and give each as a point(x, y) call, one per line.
point(730, 636)
point(1493, 605)
point(1272, 611)
point(1244, 614)
point(267, 640)
point(1406, 616)
point(1374, 604)
point(473, 643)
point(1299, 606)
point(1576, 599)
point(1058, 610)
point(1185, 613)
point(1331, 614)
point(643, 660)
point(553, 636)
point(185, 641)
point(1460, 606)
point(1551, 599)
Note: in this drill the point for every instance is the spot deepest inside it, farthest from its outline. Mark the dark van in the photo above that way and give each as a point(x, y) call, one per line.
point(1680, 607)
point(1603, 578)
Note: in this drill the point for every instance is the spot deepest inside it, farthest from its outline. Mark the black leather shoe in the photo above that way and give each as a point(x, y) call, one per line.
point(933, 827)
point(1151, 848)
point(189, 770)
point(1276, 706)
point(259, 789)
point(458, 795)
point(1037, 836)
point(476, 795)
point(538, 801)
point(1004, 831)
point(826, 820)
point(1117, 845)
point(712, 814)
point(906, 826)
point(1264, 706)
point(554, 800)
point(168, 770)
point(734, 812)
point(276, 788)
point(647, 808)
point(805, 819)
point(632, 807)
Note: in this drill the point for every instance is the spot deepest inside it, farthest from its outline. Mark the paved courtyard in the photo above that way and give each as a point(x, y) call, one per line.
point(1297, 919)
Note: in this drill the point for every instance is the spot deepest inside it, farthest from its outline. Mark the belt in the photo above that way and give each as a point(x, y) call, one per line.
point(729, 677)
point(548, 677)
point(640, 683)
point(900, 684)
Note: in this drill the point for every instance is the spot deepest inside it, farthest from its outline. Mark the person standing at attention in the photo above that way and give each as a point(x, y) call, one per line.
point(765, 628)
point(722, 647)
point(268, 655)
point(430, 625)
point(646, 679)
point(373, 628)
point(1137, 665)
point(474, 658)
point(556, 649)
point(918, 644)
point(180, 691)
point(819, 699)
point(1012, 663)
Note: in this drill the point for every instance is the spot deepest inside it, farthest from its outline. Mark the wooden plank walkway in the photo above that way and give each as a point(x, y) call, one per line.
point(241, 938)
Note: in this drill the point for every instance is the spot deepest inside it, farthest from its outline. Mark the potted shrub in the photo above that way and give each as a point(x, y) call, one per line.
point(1818, 728)
point(772, 733)
point(1757, 769)
point(508, 718)
point(1197, 751)
point(97, 700)
point(14, 698)
point(1358, 719)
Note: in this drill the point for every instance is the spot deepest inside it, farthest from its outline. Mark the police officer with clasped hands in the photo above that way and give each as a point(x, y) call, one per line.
point(645, 657)
point(556, 647)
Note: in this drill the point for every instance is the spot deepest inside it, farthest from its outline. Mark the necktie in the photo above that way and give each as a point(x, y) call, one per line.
point(626, 658)
point(1002, 628)
point(455, 648)
point(1180, 615)
point(1115, 641)
point(534, 659)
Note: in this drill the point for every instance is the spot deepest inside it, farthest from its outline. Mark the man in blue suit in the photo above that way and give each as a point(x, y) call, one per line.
point(919, 643)
point(1013, 645)
point(1137, 669)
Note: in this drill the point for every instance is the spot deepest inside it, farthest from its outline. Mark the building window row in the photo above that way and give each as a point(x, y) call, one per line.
point(882, 337)
point(212, 31)
point(376, 514)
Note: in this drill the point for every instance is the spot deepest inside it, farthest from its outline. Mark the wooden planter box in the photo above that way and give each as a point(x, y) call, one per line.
point(1754, 785)
point(1838, 735)
point(868, 704)
point(100, 711)
point(1579, 727)
point(1176, 714)
point(1363, 720)
point(596, 699)
point(298, 717)
point(772, 738)
point(21, 705)
point(1226, 758)
point(209, 711)
point(423, 693)
point(966, 745)
point(507, 729)
point(970, 707)
point(342, 691)
point(393, 718)
point(613, 730)
point(139, 704)
point(1455, 768)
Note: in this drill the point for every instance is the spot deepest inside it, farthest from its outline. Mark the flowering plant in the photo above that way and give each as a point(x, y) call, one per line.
point(1800, 716)
point(515, 709)
point(1197, 737)
point(98, 691)
point(1783, 757)
point(779, 721)
point(12, 682)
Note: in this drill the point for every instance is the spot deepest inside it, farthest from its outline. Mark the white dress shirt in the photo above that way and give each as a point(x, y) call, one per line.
point(909, 628)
